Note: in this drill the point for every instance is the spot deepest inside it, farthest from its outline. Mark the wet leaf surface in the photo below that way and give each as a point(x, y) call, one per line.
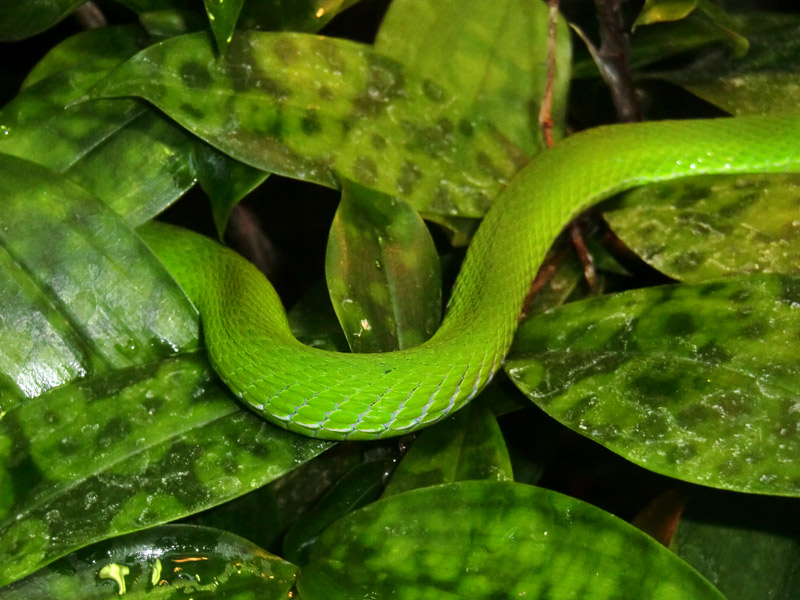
point(320, 109)
point(467, 446)
point(698, 382)
point(710, 227)
point(383, 272)
point(171, 561)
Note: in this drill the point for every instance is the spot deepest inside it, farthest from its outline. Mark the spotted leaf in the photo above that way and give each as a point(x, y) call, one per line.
point(496, 58)
point(469, 539)
point(711, 227)
point(321, 109)
point(698, 382)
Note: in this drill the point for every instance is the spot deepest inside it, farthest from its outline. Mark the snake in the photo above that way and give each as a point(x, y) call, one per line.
point(337, 396)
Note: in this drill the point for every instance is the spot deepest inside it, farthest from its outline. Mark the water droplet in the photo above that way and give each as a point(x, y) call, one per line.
point(4, 131)
point(378, 264)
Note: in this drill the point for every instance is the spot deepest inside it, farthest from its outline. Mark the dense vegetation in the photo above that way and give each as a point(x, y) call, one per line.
point(643, 438)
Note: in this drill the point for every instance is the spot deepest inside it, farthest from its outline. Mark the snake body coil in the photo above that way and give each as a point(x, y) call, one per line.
point(366, 396)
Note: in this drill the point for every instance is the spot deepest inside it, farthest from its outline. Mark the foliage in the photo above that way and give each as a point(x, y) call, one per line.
point(661, 394)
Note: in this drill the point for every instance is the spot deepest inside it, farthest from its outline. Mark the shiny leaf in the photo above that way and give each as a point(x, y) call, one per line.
point(657, 11)
point(104, 429)
point(698, 382)
point(172, 561)
point(481, 539)
point(383, 272)
point(496, 58)
point(468, 445)
point(712, 227)
point(84, 294)
point(223, 16)
point(319, 109)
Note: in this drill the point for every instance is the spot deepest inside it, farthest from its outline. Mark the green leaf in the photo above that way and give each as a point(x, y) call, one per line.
point(697, 382)
point(383, 272)
point(658, 11)
point(172, 561)
point(132, 435)
point(765, 81)
point(496, 58)
point(225, 180)
point(84, 294)
point(321, 109)
point(19, 20)
point(313, 320)
point(744, 544)
point(82, 140)
point(223, 16)
point(360, 486)
point(469, 445)
point(481, 539)
point(711, 227)
point(124, 451)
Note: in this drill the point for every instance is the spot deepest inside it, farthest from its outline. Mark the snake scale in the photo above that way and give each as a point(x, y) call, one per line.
point(367, 396)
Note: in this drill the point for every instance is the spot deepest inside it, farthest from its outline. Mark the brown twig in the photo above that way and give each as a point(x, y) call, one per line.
point(546, 107)
point(90, 16)
point(614, 61)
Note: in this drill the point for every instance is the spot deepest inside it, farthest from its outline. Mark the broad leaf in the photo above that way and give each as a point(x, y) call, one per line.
point(481, 539)
point(467, 446)
point(84, 294)
point(172, 561)
point(709, 227)
point(133, 434)
point(698, 382)
point(383, 272)
point(319, 109)
point(496, 58)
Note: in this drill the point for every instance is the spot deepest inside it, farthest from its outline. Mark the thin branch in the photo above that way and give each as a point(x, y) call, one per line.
point(90, 16)
point(614, 57)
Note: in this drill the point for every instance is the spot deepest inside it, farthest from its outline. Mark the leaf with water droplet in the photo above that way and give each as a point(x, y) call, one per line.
point(167, 561)
point(711, 227)
point(487, 539)
point(383, 272)
point(280, 102)
point(698, 382)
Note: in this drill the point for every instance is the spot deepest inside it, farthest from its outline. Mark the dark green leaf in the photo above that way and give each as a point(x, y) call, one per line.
point(765, 81)
point(748, 546)
point(710, 227)
point(172, 561)
point(496, 58)
point(383, 272)
point(84, 294)
point(82, 140)
point(481, 539)
point(698, 382)
point(468, 445)
point(124, 451)
point(297, 15)
point(360, 486)
point(19, 20)
point(322, 109)
point(314, 323)
point(223, 17)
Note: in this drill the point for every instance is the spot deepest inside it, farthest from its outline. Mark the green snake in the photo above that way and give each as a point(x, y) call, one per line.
point(365, 396)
